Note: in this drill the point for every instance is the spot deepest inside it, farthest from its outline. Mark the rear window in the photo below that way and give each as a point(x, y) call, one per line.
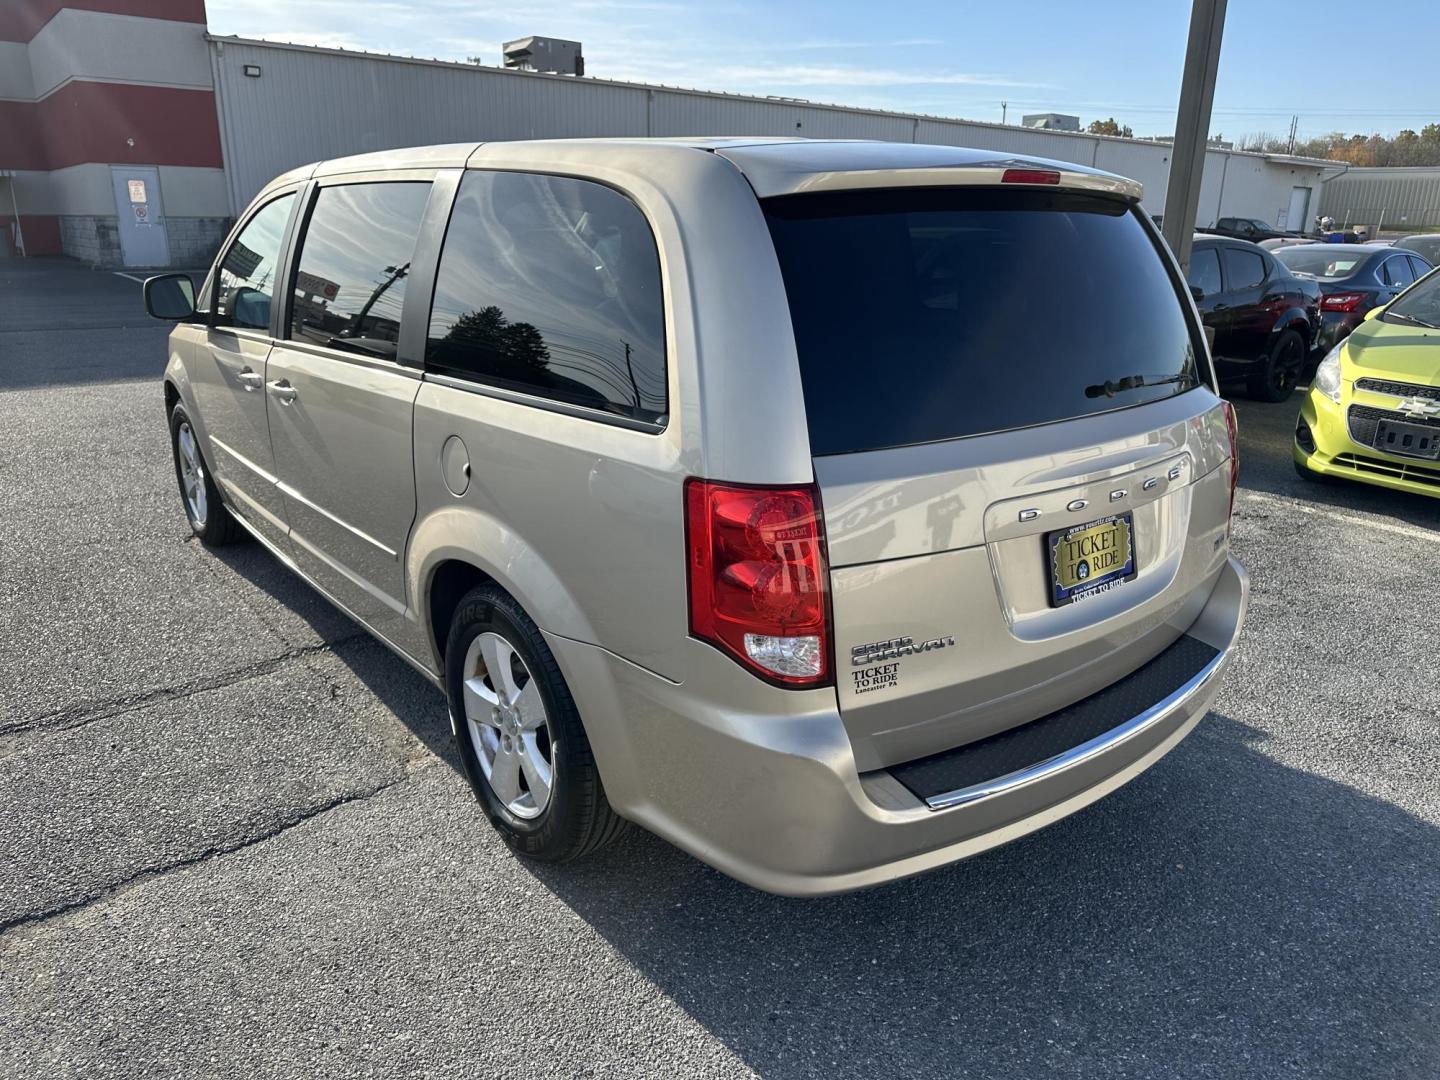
point(923, 315)
point(1320, 260)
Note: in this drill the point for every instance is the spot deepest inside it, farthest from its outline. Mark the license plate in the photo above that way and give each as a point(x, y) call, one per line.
point(1408, 440)
point(1089, 559)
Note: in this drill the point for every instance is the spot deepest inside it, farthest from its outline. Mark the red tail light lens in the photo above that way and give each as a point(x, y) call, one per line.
point(1030, 176)
point(756, 564)
point(1345, 301)
point(1232, 428)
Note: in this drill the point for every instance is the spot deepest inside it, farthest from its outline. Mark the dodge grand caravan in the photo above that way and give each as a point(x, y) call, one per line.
point(834, 510)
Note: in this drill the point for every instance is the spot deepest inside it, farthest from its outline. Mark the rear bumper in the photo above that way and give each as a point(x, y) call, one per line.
point(776, 801)
point(1335, 326)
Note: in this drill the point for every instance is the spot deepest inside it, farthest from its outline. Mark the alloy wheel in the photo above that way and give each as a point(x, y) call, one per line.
point(508, 726)
point(192, 475)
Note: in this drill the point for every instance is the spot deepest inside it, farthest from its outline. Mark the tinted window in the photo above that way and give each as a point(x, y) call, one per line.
point(1205, 271)
point(354, 258)
point(1397, 272)
point(1243, 269)
point(247, 273)
point(551, 286)
point(1419, 266)
point(922, 315)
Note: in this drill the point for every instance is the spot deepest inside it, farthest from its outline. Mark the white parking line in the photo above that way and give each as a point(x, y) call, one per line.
point(1340, 515)
point(129, 277)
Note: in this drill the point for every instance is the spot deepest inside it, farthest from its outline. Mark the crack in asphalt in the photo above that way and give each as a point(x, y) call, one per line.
point(13, 930)
point(16, 735)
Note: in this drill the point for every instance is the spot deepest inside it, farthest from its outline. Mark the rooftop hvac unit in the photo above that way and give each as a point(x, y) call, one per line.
point(551, 55)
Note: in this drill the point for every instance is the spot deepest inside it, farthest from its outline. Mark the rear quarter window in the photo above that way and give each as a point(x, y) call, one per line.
point(929, 314)
point(550, 286)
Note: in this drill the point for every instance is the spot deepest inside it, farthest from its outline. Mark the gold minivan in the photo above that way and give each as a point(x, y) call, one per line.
point(834, 510)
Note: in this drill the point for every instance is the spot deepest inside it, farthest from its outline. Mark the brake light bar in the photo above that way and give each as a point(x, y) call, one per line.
point(1345, 301)
point(758, 578)
point(1031, 176)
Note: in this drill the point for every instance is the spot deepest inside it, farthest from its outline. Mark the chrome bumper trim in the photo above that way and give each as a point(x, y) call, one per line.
point(1085, 751)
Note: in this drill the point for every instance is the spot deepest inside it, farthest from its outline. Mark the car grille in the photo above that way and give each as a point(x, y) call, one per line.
point(1363, 421)
point(1398, 389)
point(1416, 474)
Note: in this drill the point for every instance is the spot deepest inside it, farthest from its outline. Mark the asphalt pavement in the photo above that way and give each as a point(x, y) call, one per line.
point(234, 840)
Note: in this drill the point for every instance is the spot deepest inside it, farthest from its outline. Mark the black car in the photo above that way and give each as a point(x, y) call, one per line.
point(1353, 278)
point(1243, 228)
point(1265, 319)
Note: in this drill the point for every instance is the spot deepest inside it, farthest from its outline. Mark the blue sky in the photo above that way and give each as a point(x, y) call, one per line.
point(954, 58)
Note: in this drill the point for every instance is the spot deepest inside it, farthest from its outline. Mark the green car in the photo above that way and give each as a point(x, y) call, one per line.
point(1373, 411)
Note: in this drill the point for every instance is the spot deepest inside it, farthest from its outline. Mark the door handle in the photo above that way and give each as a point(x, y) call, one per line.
point(282, 389)
point(251, 380)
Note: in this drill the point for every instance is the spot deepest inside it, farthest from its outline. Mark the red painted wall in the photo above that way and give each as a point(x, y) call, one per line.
point(91, 121)
point(21, 20)
point(42, 232)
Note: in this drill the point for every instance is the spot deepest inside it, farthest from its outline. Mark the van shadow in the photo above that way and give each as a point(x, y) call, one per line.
point(399, 687)
point(1224, 915)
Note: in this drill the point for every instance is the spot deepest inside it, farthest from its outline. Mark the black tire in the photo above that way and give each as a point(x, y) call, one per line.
point(1279, 372)
point(216, 527)
point(577, 818)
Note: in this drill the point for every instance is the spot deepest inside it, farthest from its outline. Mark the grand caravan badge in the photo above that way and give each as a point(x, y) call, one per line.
point(894, 648)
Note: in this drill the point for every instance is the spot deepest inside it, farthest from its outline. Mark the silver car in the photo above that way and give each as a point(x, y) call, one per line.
point(835, 510)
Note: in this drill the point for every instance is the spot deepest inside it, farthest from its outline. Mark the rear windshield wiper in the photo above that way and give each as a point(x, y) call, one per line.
point(1135, 382)
point(1411, 319)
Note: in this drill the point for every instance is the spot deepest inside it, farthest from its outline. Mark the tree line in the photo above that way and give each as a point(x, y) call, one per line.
point(1408, 147)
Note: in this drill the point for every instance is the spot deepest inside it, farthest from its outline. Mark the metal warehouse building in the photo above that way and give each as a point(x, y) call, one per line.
point(1406, 199)
point(128, 135)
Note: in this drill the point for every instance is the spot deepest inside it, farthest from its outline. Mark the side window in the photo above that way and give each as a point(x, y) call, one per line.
point(1205, 271)
point(353, 261)
point(1244, 269)
point(1397, 272)
point(550, 286)
point(1419, 267)
point(247, 273)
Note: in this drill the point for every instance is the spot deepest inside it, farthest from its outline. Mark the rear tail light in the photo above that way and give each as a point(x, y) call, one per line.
point(1345, 301)
point(1030, 176)
point(1232, 428)
point(757, 573)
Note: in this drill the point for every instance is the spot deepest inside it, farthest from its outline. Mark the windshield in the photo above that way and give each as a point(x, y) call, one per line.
point(1319, 260)
point(1418, 304)
point(930, 314)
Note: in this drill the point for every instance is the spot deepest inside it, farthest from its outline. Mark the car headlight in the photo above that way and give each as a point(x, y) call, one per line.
point(1327, 375)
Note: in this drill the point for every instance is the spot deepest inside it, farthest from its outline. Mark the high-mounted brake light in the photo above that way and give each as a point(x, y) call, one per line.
point(757, 574)
point(1031, 176)
point(1345, 301)
point(1232, 428)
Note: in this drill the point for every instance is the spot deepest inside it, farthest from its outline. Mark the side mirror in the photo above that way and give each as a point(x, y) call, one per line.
point(170, 297)
point(1197, 292)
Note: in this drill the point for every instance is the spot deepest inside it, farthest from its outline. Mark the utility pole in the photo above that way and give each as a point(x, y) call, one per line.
point(1004, 110)
point(1192, 126)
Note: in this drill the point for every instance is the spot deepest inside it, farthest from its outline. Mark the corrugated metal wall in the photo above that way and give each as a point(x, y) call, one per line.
point(311, 104)
point(1400, 199)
